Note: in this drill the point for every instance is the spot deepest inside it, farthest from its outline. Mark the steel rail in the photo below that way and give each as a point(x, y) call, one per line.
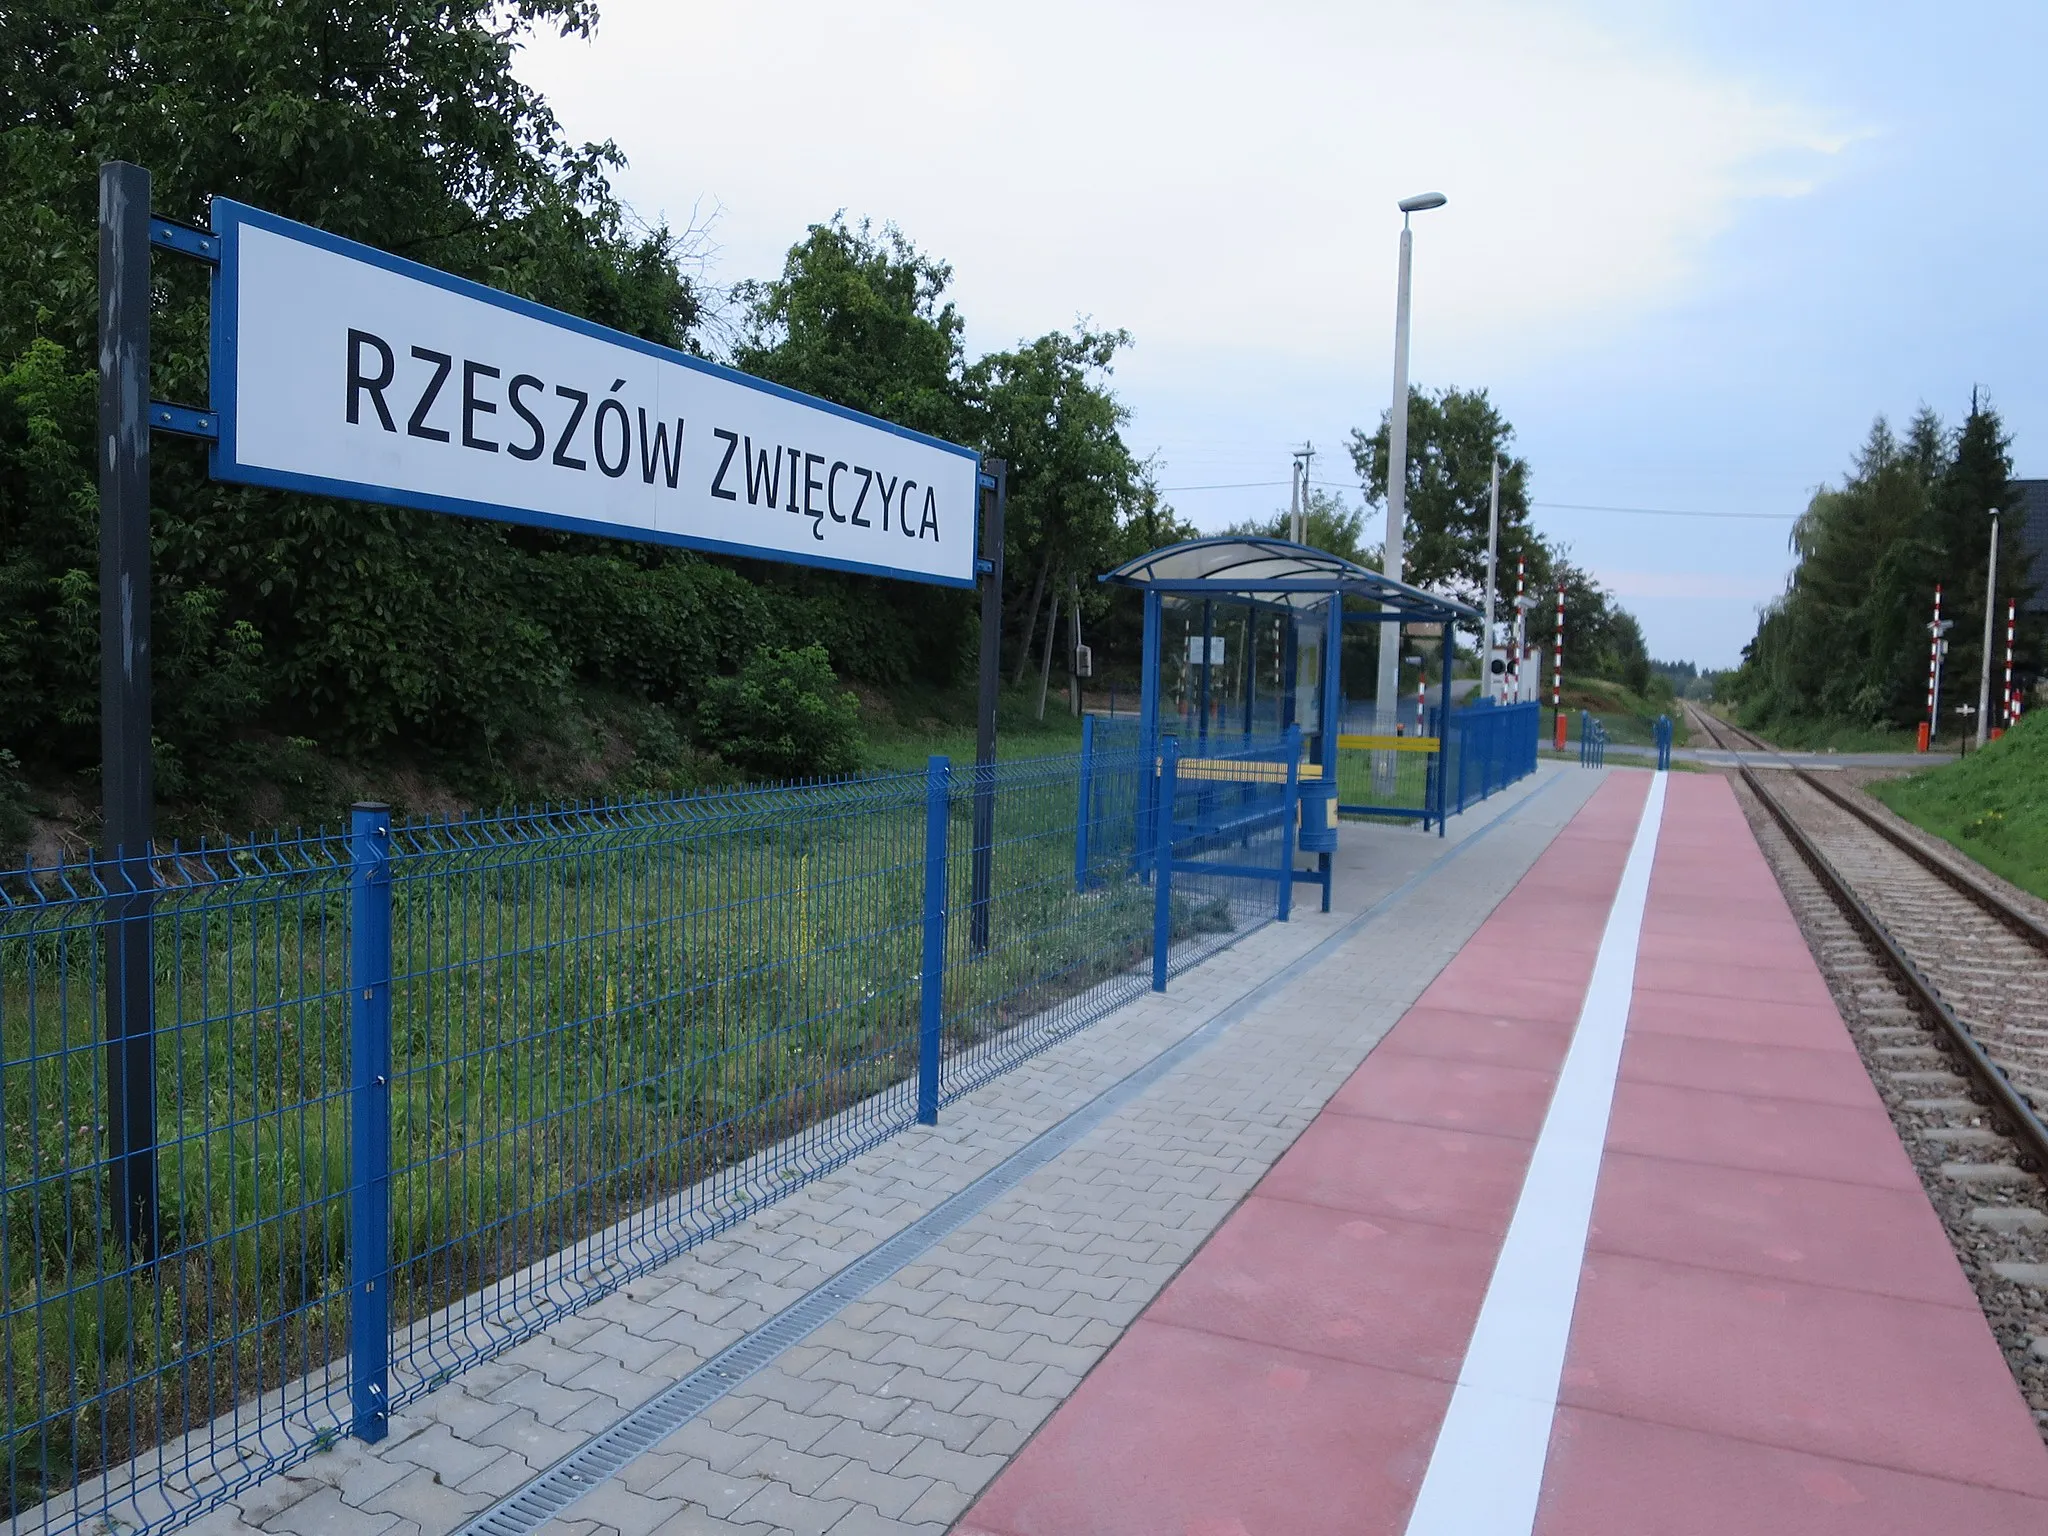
point(1993, 902)
point(2018, 1117)
point(2020, 1121)
point(2021, 923)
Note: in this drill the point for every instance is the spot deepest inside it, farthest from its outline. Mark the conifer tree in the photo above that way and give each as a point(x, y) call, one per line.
point(1976, 482)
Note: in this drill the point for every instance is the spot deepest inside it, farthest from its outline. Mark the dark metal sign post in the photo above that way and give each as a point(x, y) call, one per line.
point(995, 495)
point(127, 789)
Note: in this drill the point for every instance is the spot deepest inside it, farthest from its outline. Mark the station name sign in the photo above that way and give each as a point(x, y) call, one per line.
point(345, 371)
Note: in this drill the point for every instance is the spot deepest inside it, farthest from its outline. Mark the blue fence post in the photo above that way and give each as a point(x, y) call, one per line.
point(1289, 819)
point(938, 800)
point(369, 1195)
point(1440, 719)
point(1162, 861)
point(1087, 803)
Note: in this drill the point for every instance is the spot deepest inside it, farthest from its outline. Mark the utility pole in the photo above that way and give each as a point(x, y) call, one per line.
point(1297, 520)
point(1492, 560)
point(1990, 611)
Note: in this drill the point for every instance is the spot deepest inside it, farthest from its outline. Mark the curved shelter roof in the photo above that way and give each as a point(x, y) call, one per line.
point(1276, 571)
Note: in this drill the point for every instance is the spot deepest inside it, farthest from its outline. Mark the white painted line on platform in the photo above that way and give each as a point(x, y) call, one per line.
point(1486, 1473)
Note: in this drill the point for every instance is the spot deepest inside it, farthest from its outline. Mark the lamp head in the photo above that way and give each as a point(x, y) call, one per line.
point(1422, 202)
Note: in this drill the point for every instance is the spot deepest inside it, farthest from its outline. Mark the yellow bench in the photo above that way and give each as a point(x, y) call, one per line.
point(1225, 770)
point(1389, 743)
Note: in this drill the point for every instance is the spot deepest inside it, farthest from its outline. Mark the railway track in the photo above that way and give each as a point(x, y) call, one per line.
point(1944, 983)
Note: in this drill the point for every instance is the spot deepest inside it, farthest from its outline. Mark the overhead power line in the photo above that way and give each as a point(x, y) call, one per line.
point(1554, 506)
point(1579, 506)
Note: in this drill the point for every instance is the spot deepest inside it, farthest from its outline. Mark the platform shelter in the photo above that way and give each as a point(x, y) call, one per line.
point(1243, 644)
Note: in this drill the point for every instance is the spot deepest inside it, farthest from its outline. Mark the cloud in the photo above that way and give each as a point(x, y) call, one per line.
point(1207, 175)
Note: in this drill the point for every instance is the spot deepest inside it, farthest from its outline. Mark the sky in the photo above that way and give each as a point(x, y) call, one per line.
point(1691, 250)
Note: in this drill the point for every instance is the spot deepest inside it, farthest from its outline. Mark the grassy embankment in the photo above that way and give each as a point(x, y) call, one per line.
point(1829, 735)
point(909, 725)
point(1993, 804)
point(1630, 718)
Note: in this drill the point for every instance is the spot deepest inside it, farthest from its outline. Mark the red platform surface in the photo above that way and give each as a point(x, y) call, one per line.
point(1771, 1333)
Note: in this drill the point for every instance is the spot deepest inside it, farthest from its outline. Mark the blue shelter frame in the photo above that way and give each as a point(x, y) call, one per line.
point(1302, 592)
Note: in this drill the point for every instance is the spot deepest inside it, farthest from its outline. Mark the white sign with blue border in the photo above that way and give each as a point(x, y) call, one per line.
point(343, 370)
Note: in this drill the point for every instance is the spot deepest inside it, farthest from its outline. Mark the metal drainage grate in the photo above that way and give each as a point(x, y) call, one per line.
point(606, 1453)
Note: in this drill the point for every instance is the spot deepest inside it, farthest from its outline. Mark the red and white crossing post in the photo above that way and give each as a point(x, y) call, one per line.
point(1931, 732)
point(2012, 703)
point(1519, 642)
point(1557, 670)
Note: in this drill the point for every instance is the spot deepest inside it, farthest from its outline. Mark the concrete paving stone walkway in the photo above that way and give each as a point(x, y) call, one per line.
point(893, 1416)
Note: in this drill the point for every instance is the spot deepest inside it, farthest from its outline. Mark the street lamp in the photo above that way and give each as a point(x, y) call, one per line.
point(1397, 453)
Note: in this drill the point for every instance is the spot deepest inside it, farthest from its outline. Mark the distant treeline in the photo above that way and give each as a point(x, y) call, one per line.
point(1848, 640)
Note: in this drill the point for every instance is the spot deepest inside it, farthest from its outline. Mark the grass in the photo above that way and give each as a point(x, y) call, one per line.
point(1826, 735)
point(1993, 804)
point(909, 726)
point(588, 1014)
point(1630, 718)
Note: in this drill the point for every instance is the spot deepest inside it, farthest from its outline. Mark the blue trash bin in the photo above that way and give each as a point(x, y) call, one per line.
point(1319, 814)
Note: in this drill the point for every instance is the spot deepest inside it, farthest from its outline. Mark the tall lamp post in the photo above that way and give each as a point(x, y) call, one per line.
point(1397, 458)
point(1990, 611)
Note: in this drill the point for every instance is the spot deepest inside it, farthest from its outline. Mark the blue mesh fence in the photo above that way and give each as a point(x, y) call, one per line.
point(611, 1033)
point(1073, 912)
point(191, 1375)
point(1487, 747)
point(616, 1033)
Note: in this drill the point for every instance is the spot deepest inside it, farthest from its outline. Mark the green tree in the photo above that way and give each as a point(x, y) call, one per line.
point(1332, 524)
point(1847, 639)
point(860, 319)
point(1047, 409)
point(402, 126)
point(1454, 437)
point(1976, 483)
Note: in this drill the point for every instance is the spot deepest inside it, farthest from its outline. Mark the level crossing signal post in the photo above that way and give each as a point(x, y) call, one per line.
point(1557, 672)
point(1937, 651)
point(2012, 699)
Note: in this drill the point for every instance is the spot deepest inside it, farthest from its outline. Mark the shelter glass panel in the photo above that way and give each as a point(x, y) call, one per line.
point(1224, 665)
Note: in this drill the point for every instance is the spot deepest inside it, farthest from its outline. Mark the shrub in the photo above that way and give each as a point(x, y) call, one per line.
point(14, 824)
point(783, 717)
